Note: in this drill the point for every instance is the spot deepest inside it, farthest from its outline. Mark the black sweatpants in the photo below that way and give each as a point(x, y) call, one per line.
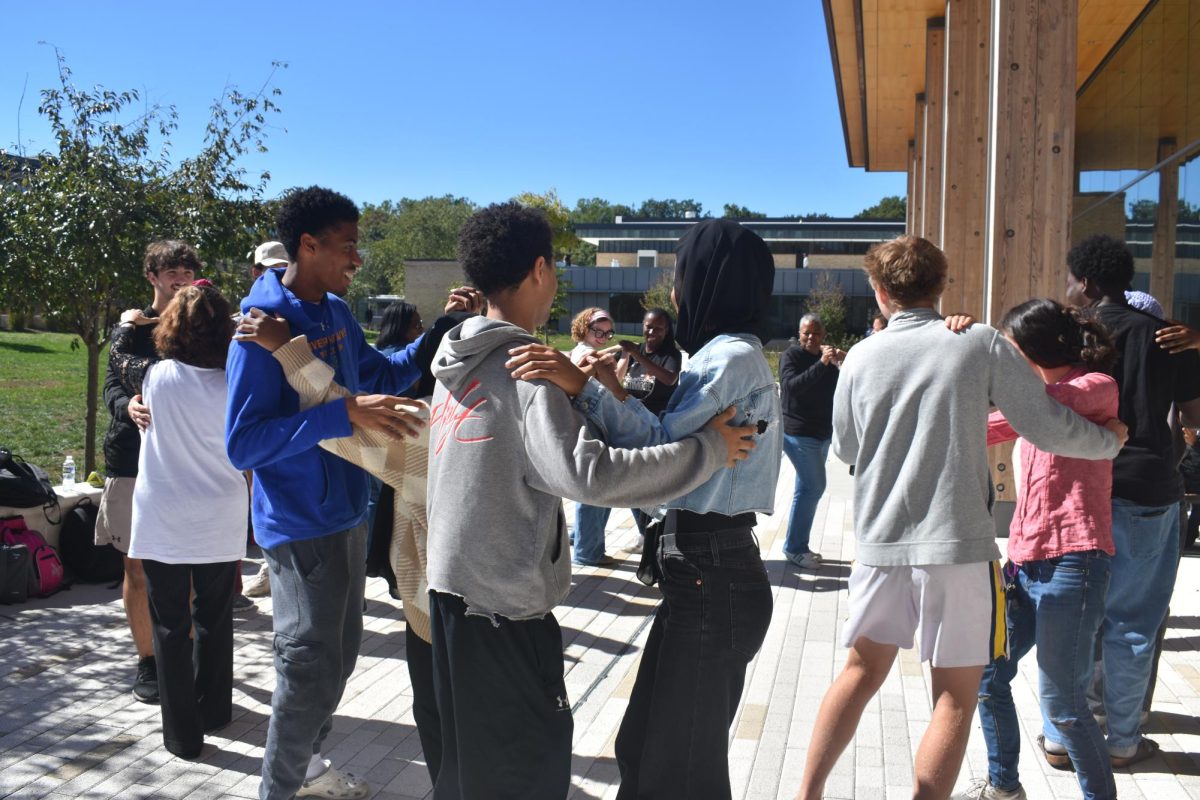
point(506, 720)
point(419, 655)
point(195, 675)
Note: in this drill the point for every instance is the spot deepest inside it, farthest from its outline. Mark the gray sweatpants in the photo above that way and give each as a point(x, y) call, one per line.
point(317, 596)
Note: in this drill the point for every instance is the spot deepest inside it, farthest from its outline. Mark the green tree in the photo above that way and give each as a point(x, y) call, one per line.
point(734, 211)
point(828, 301)
point(669, 209)
point(891, 207)
point(1143, 211)
point(78, 224)
point(659, 294)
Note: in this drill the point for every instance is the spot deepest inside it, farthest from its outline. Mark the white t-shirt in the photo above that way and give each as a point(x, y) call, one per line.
point(189, 503)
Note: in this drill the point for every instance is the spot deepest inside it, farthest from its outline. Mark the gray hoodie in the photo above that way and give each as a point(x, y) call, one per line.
point(502, 455)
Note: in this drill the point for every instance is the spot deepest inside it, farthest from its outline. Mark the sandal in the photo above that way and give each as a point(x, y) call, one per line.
point(1146, 748)
point(1057, 760)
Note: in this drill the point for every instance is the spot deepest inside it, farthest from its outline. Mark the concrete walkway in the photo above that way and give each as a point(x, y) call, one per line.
point(70, 728)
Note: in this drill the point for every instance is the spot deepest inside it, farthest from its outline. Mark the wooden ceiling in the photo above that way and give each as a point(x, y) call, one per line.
point(1148, 89)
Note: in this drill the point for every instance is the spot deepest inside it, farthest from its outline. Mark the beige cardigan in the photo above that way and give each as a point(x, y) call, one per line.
point(401, 464)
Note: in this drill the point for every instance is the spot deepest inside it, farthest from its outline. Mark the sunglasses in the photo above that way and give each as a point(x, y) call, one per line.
point(601, 334)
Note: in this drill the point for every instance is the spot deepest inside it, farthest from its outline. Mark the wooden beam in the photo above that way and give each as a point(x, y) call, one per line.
point(1031, 177)
point(965, 171)
point(1162, 252)
point(912, 182)
point(916, 200)
point(935, 86)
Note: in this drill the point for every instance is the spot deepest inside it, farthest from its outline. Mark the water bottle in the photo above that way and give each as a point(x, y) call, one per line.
point(68, 472)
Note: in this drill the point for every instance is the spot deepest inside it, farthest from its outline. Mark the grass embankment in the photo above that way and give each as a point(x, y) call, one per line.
point(43, 387)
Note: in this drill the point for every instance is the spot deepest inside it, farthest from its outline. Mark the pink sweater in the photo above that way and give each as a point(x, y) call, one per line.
point(1064, 504)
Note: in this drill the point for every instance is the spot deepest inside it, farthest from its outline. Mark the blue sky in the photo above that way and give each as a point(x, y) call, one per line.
point(718, 101)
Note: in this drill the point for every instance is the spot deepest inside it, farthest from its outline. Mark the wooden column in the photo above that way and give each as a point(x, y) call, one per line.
point(1031, 177)
point(912, 182)
point(1162, 252)
point(965, 170)
point(935, 84)
point(917, 199)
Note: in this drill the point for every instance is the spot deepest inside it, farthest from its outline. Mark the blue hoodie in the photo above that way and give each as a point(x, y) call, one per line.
point(300, 490)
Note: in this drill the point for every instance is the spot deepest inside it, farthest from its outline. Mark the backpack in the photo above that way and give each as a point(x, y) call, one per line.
point(23, 485)
point(46, 573)
point(14, 574)
point(84, 559)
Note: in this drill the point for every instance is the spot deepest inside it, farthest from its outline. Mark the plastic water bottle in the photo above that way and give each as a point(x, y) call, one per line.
point(68, 472)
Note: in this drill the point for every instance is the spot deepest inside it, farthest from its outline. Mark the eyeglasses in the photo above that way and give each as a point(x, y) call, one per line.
point(601, 334)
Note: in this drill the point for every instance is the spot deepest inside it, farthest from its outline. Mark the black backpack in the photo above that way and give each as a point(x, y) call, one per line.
point(15, 568)
point(83, 558)
point(23, 485)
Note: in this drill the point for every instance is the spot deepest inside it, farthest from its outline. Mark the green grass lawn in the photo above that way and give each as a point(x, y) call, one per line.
point(42, 400)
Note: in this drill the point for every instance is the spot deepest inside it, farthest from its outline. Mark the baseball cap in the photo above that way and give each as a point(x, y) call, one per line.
point(270, 254)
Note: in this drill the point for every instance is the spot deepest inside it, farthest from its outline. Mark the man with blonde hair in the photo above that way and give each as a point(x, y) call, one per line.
point(910, 412)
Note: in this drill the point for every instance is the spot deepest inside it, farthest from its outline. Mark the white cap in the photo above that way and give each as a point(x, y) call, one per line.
point(270, 254)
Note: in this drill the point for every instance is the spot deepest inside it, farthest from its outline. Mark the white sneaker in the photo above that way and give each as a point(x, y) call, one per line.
point(983, 790)
point(804, 560)
point(259, 585)
point(335, 785)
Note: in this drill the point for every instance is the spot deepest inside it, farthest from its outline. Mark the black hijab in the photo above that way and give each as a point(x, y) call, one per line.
point(724, 275)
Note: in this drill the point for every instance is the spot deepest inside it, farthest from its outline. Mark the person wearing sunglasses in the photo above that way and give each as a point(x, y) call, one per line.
point(592, 330)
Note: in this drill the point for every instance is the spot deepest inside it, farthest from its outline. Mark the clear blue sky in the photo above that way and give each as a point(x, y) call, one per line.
point(723, 102)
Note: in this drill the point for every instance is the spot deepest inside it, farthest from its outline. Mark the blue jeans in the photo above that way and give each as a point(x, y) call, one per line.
point(1058, 605)
point(808, 457)
point(589, 533)
point(317, 595)
point(1143, 578)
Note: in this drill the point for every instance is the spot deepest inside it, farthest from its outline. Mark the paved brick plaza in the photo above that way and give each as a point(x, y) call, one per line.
point(69, 726)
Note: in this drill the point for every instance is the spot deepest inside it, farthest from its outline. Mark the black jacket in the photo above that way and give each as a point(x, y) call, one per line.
point(122, 442)
point(806, 393)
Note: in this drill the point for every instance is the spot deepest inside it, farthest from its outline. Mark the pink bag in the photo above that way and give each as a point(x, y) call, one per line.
point(46, 570)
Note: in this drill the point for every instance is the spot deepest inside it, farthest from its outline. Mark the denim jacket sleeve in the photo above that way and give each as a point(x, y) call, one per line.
point(631, 424)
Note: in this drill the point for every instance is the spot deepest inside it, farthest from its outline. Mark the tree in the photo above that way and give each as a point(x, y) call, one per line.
point(891, 207)
point(1143, 211)
point(659, 295)
point(79, 221)
point(391, 233)
point(734, 211)
point(828, 301)
point(669, 209)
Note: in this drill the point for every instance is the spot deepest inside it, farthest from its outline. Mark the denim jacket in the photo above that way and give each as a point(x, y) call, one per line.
point(727, 371)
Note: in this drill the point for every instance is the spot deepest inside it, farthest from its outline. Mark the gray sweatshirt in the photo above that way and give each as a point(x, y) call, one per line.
point(502, 455)
point(910, 412)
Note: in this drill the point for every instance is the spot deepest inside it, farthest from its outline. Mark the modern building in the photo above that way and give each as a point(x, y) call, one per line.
point(1024, 127)
point(633, 255)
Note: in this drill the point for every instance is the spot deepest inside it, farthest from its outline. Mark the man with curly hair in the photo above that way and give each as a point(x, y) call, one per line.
point(1147, 488)
point(308, 505)
point(170, 265)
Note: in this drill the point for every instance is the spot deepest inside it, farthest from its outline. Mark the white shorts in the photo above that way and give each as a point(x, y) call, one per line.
point(955, 611)
point(114, 518)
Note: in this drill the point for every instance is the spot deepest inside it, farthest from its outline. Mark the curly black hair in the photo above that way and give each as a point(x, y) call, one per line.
point(1105, 261)
point(313, 211)
point(498, 245)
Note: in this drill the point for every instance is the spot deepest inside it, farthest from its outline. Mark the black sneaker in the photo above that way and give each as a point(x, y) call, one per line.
point(145, 688)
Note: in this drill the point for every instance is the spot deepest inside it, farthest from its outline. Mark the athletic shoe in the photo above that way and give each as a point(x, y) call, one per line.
point(260, 584)
point(145, 688)
point(804, 560)
point(241, 603)
point(336, 785)
point(983, 790)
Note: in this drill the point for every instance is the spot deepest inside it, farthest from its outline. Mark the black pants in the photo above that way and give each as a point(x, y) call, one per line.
point(506, 720)
point(674, 739)
point(195, 674)
point(419, 655)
